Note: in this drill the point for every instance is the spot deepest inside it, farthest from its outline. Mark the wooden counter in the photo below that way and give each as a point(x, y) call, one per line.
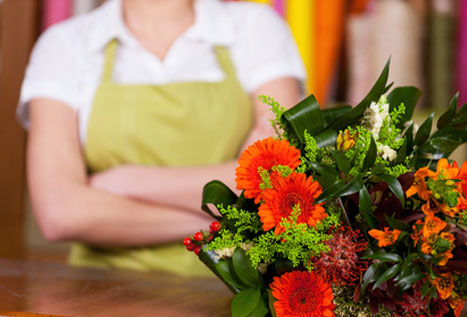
point(56, 289)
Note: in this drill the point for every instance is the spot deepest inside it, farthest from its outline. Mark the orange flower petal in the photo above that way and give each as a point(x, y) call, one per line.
point(265, 154)
point(300, 293)
point(279, 201)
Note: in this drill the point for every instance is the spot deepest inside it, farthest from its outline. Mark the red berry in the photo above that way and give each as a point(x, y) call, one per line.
point(210, 238)
point(198, 236)
point(191, 247)
point(215, 226)
point(187, 241)
point(197, 250)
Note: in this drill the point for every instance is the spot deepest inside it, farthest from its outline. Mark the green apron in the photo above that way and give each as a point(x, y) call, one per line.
point(176, 124)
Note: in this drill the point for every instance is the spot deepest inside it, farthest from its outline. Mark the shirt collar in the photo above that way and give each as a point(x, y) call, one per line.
point(212, 24)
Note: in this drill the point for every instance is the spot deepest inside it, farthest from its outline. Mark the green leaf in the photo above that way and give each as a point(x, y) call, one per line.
point(395, 187)
point(370, 155)
point(384, 257)
point(409, 138)
point(228, 276)
point(215, 192)
point(407, 95)
point(391, 272)
point(411, 279)
point(389, 86)
point(244, 269)
point(375, 93)
point(460, 119)
point(271, 303)
point(447, 117)
point(368, 276)
point(424, 131)
point(397, 224)
point(306, 115)
point(342, 161)
point(365, 208)
point(402, 153)
point(352, 187)
point(330, 191)
point(261, 308)
point(326, 138)
point(340, 189)
point(425, 288)
point(332, 114)
point(378, 169)
point(245, 302)
point(327, 174)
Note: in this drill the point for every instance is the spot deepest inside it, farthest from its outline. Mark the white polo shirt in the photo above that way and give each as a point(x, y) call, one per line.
point(67, 61)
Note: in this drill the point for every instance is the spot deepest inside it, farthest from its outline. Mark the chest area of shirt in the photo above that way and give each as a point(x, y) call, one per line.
point(189, 63)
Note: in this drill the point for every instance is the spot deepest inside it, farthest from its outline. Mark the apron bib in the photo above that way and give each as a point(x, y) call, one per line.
point(176, 124)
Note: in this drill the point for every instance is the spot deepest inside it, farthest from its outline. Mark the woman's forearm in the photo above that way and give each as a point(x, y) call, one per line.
point(67, 208)
point(176, 187)
point(80, 213)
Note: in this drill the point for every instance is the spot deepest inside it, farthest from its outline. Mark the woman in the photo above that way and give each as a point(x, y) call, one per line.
point(132, 108)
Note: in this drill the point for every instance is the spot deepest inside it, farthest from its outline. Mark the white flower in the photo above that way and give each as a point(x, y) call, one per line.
point(228, 252)
point(386, 152)
point(246, 246)
point(262, 267)
point(375, 115)
point(224, 253)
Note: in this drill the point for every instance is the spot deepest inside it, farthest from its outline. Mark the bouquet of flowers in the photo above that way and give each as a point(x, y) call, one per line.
point(348, 212)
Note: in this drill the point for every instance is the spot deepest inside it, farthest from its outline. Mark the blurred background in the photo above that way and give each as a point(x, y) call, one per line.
point(344, 45)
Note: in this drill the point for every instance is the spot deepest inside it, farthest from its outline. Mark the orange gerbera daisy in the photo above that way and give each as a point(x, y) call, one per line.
point(279, 201)
point(386, 237)
point(263, 154)
point(444, 285)
point(432, 225)
point(302, 294)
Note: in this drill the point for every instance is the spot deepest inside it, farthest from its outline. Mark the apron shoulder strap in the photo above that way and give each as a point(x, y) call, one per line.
point(224, 59)
point(109, 59)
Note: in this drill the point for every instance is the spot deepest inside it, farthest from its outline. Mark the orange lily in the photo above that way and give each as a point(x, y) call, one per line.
point(444, 285)
point(433, 206)
point(419, 186)
point(447, 255)
point(417, 231)
point(443, 168)
point(456, 303)
point(345, 141)
point(386, 237)
point(432, 225)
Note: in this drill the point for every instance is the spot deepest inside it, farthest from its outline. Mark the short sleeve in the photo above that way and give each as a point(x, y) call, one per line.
point(50, 73)
point(265, 48)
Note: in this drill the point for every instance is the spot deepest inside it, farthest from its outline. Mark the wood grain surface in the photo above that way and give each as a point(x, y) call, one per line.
point(56, 289)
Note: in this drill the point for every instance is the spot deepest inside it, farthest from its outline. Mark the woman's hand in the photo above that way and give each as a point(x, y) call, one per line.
point(117, 180)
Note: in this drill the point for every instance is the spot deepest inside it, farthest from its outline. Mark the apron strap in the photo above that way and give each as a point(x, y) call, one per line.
point(224, 60)
point(110, 51)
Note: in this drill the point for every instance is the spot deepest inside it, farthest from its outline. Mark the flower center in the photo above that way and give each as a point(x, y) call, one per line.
point(444, 283)
point(390, 237)
point(302, 300)
point(430, 225)
point(289, 201)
